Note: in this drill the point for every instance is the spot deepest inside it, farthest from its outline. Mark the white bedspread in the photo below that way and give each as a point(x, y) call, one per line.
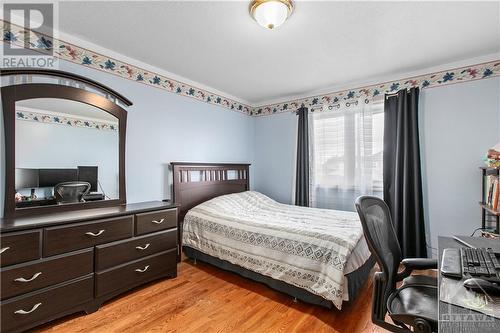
point(306, 247)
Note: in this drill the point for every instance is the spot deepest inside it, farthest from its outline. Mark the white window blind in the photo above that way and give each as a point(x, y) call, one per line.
point(346, 155)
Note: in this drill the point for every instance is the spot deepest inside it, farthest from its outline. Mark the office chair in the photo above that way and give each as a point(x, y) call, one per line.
point(71, 192)
point(415, 303)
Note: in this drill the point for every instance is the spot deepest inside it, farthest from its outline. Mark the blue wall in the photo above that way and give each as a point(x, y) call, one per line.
point(458, 124)
point(163, 127)
point(46, 145)
point(274, 168)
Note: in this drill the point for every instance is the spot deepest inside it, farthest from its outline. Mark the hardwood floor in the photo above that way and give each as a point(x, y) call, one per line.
point(206, 299)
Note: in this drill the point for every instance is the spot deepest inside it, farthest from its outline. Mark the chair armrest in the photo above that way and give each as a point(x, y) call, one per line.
point(420, 263)
point(415, 263)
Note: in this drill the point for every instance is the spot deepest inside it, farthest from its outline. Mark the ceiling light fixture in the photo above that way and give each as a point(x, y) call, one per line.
point(271, 13)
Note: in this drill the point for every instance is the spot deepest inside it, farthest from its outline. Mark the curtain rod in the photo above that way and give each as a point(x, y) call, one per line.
point(396, 93)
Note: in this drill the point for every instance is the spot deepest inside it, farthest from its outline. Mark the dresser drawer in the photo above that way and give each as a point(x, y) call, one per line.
point(82, 235)
point(19, 247)
point(155, 221)
point(35, 308)
point(116, 253)
point(23, 278)
point(135, 273)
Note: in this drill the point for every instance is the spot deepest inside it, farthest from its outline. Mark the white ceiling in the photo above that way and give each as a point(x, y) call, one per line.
point(323, 44)
point(68, 108)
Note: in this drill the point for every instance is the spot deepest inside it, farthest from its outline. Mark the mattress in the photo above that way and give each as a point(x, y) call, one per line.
point(309, 248)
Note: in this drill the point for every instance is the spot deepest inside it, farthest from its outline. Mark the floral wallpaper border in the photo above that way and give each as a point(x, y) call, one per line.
point(63, 120)
point(70, 52)
point(15, 34)
point(368, 93)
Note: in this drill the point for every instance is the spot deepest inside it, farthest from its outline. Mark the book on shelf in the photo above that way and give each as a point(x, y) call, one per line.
point(489, 234)
point(492, 197)
point(494, 202)
point(487, 188)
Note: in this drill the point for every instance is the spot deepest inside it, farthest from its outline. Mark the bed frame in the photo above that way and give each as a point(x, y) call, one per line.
point(195, 183)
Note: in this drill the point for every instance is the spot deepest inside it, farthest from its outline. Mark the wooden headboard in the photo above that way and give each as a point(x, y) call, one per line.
point(195, 183)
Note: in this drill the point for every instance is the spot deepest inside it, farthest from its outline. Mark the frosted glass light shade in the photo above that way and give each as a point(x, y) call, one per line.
point(271, 13)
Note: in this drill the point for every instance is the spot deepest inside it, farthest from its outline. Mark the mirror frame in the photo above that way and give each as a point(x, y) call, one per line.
point(18, 92)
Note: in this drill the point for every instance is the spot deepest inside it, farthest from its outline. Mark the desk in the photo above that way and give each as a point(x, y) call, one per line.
point(456, 319)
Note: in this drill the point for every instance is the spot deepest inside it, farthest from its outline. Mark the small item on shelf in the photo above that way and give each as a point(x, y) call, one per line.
point(493, 157)
point(490, 198)
point(491, 235)
point(490, 187)
point(18, 197)
point(495, 194)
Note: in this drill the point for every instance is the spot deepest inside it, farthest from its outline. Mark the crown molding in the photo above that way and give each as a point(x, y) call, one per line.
point(72, 39)
point(377, 79)
point(369, 93)
point(145, 66)
point(138, 72)
point(90, 55)
point(49, 117)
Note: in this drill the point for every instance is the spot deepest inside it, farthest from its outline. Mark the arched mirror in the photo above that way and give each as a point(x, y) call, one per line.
point(65, 146)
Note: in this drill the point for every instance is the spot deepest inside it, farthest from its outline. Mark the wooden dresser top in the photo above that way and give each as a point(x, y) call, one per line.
point(44, 220)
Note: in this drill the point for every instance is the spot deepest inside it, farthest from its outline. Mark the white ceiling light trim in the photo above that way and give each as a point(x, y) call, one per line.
point(271, 14)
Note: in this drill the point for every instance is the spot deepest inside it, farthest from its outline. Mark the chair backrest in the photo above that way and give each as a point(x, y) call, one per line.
point(71, 192)
point(381, 238)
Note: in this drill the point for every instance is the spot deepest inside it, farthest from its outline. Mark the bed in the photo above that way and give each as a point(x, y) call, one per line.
point(316, 255)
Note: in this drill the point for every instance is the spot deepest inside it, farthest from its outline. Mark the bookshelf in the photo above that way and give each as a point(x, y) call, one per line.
point(487, 210)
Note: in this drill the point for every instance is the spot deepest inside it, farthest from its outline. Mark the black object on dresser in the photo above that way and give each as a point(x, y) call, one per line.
point(56, 264)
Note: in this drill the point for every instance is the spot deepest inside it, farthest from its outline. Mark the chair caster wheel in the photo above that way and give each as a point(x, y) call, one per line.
point(422, 326)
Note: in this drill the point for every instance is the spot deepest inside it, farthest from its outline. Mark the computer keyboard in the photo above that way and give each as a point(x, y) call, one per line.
point(471, 262)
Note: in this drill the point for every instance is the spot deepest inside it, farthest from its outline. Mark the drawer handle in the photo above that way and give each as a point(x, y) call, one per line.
point(158, 222)
point(95, 234)
point(2, 250)
point(142, 248)
point(30, 279)
point(22, 312)
point(138, 270)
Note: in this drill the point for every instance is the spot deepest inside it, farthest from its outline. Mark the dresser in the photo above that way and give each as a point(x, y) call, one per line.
point(56, 264)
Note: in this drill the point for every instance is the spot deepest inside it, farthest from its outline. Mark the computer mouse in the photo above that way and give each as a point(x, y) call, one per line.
point(482, 286)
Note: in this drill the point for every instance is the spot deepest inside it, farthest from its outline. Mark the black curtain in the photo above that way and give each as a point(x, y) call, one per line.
point(402, 175)
point(302, 172)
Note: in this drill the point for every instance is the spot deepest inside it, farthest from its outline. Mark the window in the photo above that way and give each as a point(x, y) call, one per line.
point(346, 155)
